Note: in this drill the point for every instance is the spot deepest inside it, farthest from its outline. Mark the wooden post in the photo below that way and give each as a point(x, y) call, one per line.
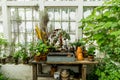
point(84, 71)
point(34, 71)
point(40, 68)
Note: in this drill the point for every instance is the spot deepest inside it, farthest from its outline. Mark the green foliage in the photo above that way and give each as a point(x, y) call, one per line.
point(80, 42)
point(41, 48)
point(24, 56)
point(91, 50)
point(3, 42)
point(108, 70)
point(16, 55)
point(3, 77)
point(104, 29)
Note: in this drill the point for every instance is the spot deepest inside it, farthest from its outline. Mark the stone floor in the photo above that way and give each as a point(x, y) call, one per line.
point(52, 79)
point(45, 78)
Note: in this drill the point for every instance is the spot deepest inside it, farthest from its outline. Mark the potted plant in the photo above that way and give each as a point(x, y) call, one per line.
point(32, 49)
point(25, 58)
point(41, 51)
point(91, 52)
point(16, 56)
point(78, 43)
point(3, 59)
point(3, 46)
point(79, 48)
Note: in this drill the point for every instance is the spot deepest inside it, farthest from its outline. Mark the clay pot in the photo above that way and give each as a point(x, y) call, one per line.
point(37, 58)
point(91, 58)
point(43, 58)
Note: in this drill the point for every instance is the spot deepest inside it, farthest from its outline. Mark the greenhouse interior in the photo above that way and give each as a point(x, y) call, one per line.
point(59, 39)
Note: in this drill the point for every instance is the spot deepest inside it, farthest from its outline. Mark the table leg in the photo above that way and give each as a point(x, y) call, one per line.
point(40, 68)
point(34, 71)
point(84, 71)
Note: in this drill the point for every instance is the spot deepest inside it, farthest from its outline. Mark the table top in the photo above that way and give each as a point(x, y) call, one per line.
point(85, 61)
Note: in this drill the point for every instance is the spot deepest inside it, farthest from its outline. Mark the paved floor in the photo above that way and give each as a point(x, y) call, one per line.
point(45, 78)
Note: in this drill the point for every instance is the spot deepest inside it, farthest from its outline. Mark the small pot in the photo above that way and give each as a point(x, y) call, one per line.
point(37, 58)
point(90, 57)
point(3, 61)
point(16, 61)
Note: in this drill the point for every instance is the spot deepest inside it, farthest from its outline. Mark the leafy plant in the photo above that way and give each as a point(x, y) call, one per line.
point(104, 29)
point(41, 48)
point(80, 42)
point(91, 50)
point(16, 55)
point(24, 56)
point(108, 70)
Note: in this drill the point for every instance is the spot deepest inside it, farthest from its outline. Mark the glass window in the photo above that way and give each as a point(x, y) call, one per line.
point(1, 27)
point(63, 18)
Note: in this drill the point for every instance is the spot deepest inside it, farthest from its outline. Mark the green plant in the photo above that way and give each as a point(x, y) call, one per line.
point(41, 48)
point(108, 70)
point(2, 77)
point(80, 42)
point(104, 29)
point(24, 56)
point(16, 55)
point(32, 49)
point(91, 50)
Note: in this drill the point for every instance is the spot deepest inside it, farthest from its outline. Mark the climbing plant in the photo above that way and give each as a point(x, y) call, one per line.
point(104, 29)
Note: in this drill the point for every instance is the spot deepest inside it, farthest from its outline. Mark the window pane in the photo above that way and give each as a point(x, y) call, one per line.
point(22, 13)
point(72, 14)
point(29, 27)
point(65, 26)
point(65, 14)
point(35, 15)
point(22, 27)
point(57, 25)
point(22, 38)
point(72, 38)
point(50, 13)
point(12, 12)
point(87, 11)
point(29, 38)
point(28, 14)
point(73, 27)
point(57, 14)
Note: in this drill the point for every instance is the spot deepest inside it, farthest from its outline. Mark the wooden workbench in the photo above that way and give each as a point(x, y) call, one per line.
point(38, 66)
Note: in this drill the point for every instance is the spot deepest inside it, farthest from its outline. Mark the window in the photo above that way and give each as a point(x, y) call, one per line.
point(23, 21)
point(63, 18)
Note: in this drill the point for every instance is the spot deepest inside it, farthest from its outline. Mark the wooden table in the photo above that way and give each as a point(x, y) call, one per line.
point(84, 64)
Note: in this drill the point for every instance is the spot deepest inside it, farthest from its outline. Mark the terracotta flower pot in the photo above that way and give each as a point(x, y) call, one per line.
point(37, 58)
point(90, 57)
point(43, 58)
